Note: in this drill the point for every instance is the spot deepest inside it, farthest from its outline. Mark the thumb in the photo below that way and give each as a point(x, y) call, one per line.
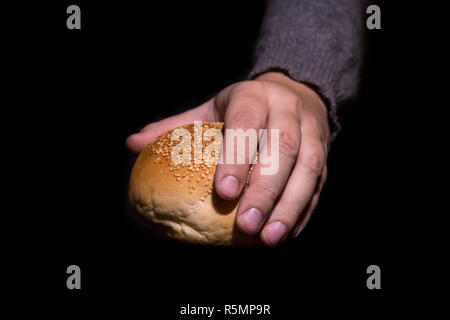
point(138, 141)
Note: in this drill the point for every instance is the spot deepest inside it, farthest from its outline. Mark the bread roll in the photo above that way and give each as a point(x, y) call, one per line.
point(179, 200)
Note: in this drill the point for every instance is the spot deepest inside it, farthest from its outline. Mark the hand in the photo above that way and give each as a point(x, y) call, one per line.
point(279, 205)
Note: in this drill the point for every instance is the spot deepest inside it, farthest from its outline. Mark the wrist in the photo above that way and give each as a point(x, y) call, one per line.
point(310, 99)
point(305, 91)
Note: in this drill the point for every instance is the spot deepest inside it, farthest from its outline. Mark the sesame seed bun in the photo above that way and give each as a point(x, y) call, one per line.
point(179, 200)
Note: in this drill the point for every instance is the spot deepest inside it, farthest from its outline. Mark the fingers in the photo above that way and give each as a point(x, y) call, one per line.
point(138, 141)
point(307, 213)
point(277, 202)
point(298, 192)
point(305, 216)
point(264, 189)
point(245, 115)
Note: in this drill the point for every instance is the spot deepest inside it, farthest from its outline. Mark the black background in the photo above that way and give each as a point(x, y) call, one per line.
point(132, 63)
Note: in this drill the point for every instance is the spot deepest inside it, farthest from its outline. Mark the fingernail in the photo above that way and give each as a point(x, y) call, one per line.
point(274, 232)
point(251, 220)
point(229, 186)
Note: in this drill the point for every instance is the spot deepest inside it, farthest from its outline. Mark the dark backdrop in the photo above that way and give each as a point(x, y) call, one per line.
point(133, 63)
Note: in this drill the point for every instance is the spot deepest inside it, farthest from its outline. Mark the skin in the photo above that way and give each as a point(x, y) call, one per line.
point(278, 206)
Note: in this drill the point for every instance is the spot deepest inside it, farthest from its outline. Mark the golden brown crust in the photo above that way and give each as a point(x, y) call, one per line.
point(179, 200)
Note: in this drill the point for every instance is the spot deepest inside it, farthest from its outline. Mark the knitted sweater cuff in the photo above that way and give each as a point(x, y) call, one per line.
point(316, 42)
point(316, 71)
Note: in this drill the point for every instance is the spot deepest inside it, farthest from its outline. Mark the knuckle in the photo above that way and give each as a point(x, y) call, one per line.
point(289, 143)
point(314, 163)
point(245, 118)
point(288, 98)
point(250, 87)
point(293, 99)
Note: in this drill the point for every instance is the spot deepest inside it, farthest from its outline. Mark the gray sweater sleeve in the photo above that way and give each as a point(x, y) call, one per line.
point(317, 42)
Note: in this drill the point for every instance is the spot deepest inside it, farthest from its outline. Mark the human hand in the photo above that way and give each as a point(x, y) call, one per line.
point(273, 206)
